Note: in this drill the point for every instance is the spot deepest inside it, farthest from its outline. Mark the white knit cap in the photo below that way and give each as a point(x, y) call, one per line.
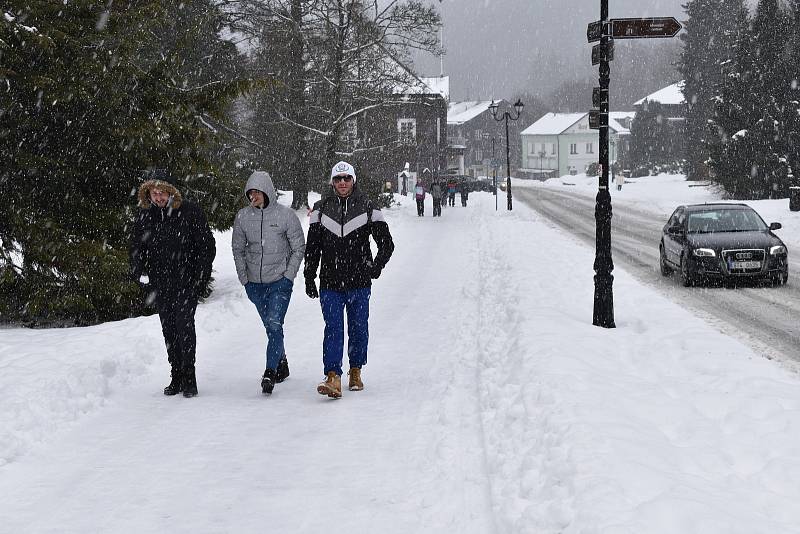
point(343, 168)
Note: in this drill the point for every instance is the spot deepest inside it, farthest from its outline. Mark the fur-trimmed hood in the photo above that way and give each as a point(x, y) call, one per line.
point(144, 193)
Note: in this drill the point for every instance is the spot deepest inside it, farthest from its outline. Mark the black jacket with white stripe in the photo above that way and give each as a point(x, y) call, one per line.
point(338, 235)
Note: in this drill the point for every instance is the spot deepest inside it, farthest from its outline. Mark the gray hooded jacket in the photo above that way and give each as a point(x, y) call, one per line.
point(267, 242)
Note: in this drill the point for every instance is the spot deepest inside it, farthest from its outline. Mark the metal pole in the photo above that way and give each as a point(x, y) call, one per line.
point(508, 164)
point(603, 263)
point(494, 176)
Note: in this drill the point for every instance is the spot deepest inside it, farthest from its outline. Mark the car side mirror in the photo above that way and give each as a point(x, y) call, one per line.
point(775, 226)
point(675, 230)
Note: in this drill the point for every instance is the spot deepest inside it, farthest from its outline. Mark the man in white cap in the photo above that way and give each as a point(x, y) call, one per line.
point(338, 238)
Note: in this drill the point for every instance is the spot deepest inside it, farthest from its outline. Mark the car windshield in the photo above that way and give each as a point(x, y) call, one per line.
point(725, 220)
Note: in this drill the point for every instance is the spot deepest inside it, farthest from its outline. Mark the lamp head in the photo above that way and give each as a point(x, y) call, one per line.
point(518, 106)
point(493, 107)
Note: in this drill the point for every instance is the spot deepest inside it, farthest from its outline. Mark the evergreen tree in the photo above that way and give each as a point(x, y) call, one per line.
point(86, 108)
point(749, 154)
point(708, 42)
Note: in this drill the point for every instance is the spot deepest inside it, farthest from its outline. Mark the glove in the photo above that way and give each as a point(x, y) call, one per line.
point(375, 272)
point(311, 288)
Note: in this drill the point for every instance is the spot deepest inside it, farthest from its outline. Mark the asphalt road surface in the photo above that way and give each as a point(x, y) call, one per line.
point(763, 316)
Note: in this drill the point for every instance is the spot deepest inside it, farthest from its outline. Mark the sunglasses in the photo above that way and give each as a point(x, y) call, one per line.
point(342, 178)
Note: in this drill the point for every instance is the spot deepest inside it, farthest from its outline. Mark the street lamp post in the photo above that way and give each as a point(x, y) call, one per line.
point(494, 176)
point(542, 154)
point(506, 116)
point(603, 315)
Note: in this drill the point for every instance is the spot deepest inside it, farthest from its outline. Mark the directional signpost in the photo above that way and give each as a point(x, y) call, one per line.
point(660, 27)
point(605, 31)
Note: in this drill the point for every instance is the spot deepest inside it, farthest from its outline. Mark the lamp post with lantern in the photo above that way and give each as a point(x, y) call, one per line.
point(506, 116)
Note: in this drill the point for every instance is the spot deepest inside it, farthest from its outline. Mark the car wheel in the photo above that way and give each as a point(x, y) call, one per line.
point(686, 276)
point(666, 270)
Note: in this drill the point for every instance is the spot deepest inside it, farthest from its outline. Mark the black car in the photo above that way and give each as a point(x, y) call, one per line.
point(728, 242)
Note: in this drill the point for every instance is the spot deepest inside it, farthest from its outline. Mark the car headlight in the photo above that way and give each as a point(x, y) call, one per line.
point(704, 252)
point(777, 249)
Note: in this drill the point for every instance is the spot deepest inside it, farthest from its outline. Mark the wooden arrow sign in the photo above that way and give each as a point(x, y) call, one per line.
point(651, 28)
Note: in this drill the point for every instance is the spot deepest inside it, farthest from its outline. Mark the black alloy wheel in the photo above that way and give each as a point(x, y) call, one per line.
point(686, 277)
point(666, 270)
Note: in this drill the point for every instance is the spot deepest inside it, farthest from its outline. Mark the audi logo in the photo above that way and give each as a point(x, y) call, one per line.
point(744, 255)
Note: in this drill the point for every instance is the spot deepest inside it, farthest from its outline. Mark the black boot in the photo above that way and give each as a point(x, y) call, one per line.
point(176, 385)
point(268, 382)
point(189, 383)
point(282, 372)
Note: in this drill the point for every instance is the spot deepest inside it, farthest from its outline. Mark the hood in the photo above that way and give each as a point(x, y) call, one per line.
point(734, 240)
point(144, 193)
point(262, 181)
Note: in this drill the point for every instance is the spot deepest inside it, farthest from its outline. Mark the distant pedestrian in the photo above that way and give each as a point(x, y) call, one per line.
point(438, 197)
point(451, 192)
point(268, 246)
point(419, 193)
point(173, 247)
point(464, 193)
point(620, 179)
point(338, 238)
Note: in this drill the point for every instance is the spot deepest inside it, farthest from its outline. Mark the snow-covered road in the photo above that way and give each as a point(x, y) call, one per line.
point(491, 405)
point(763, 316)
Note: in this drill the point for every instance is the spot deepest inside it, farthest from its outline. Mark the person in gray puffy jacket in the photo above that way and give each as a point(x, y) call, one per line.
point(268, 247)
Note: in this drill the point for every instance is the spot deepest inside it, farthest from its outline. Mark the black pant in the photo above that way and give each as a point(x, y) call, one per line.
point(420, 207)
point(452, 198)
point(437, 207)
point(176, 310)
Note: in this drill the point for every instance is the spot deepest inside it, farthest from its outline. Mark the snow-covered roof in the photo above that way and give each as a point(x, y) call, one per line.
point(671, 95)
point(558, 123)
point(461, 112)
point(553, 123)
point(428, 86)
point(438, 84)
point(616, 120)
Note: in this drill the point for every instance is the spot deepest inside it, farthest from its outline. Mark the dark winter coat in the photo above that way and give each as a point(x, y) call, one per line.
point(173, 246)
point(338, 237)
point(436, 190)
point(267, 242)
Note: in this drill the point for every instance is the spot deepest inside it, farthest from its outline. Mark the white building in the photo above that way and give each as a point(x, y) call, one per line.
point(562, 143)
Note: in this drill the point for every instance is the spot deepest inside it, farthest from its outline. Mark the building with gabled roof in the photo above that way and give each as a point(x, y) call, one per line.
point(471, 129)
point(562, 143)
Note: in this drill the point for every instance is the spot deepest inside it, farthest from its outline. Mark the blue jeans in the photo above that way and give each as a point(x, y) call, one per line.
point(272, 301)
point(334, 303)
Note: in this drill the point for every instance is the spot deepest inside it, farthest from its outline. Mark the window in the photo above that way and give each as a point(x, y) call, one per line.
point(407, 128)
point(553, 149)
point(478, 135)
point(589, 148)
point(478, 156)
point(573, 148)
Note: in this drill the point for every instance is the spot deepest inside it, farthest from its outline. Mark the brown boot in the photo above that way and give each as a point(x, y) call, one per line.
point(332, 386)
point(355, 383)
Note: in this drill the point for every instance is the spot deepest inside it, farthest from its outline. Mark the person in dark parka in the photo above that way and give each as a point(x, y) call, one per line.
point(173, 248)
point(340, 226)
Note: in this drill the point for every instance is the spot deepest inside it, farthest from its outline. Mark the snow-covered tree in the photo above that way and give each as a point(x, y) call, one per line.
point(333, 61)
point(92, 96)
point(708, 44)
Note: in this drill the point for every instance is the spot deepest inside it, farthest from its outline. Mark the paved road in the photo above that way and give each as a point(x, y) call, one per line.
point(764, 317)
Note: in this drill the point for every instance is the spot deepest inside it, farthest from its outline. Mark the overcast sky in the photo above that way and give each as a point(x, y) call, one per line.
point(496, 48)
